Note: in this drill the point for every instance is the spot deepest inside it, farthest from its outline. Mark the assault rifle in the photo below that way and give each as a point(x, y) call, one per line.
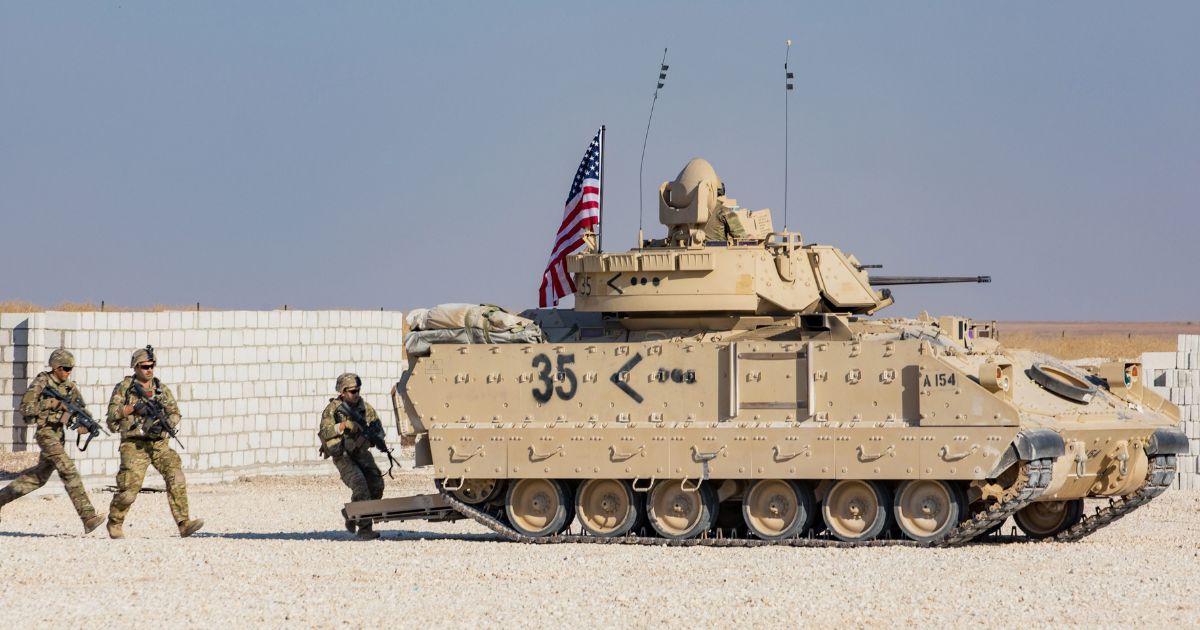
point(79, 417)
point(155, 419)
point(373, 432)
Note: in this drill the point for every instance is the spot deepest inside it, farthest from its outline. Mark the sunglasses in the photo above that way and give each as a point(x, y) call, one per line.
point(66, 369)
point(146, 366)
point(352, 391)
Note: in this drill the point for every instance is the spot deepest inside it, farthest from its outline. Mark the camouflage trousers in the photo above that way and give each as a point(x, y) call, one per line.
point(360, 473)
point(136, 456)
point(53, 458)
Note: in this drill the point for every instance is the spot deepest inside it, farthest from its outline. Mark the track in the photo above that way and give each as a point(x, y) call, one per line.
point(1034, 479)
point(1158, 479)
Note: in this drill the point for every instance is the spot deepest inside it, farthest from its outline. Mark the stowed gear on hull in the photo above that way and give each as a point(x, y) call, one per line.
point(699, 379)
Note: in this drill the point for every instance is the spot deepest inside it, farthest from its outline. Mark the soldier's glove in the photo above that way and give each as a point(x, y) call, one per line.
point(51, 404)
point(83, 430)
point(346, 426)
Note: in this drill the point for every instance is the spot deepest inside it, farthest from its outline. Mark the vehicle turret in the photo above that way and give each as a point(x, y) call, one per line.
point(721, 259)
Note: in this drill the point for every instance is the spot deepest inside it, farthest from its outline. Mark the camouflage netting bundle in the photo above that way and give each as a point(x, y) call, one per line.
point(466, 323)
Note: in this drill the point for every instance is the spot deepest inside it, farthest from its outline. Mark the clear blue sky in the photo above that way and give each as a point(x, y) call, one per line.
point(249, 155)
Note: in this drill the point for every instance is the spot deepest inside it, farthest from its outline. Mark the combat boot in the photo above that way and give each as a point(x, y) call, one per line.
point(115, 529)
point(367, 532)
point(90, 524)
point(187, 528)
point(350, 527)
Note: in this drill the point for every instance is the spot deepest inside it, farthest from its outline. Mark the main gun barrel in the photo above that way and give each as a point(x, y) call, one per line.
point(887, 281)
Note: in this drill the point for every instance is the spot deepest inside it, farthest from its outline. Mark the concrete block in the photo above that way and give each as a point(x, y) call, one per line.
point(61, 320)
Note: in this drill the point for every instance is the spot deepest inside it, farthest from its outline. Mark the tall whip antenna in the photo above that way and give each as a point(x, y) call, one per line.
point(662, 78)
point(788, 77)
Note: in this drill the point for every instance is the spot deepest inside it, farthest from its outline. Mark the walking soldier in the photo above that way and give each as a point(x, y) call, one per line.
point(48, 414)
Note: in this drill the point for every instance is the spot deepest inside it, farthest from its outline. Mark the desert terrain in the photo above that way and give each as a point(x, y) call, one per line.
point(274, 553)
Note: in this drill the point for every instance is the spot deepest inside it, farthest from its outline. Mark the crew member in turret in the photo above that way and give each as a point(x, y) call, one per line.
point(342, 438)
point(145, 442)
point(723, 224)
point(47, 414)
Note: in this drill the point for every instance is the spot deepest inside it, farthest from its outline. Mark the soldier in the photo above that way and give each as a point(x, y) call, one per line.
point(48, 414)
point(342, 439)
point(143, 446)
point(723, 224)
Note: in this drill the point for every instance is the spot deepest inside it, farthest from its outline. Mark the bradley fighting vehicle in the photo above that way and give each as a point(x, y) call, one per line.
point(725, 386)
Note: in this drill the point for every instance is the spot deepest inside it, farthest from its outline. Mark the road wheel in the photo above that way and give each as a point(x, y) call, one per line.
point(678, 514)
point(478, 491)
point(778, 508)
point(928, 509)
point(1044, 519)
point(607, 507)
point(538, 507)
point(856, 510)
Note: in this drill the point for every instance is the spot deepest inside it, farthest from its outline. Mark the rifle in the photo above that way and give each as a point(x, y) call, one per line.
point(154, 415)
point(79, 417)
point(374, 434)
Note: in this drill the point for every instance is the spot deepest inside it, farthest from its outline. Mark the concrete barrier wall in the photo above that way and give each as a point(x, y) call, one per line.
point(1176, 376)
point(251, 385)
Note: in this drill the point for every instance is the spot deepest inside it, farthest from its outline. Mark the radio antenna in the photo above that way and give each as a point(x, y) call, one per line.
point(662, 78)
point(789, 86)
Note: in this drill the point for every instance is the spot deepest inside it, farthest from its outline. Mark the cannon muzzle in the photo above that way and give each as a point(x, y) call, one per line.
point(887, 281)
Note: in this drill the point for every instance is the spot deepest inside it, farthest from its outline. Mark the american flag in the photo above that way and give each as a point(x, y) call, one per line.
point(581, 213)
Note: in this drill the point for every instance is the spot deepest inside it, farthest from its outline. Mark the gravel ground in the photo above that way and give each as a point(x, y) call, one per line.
point(274, 553)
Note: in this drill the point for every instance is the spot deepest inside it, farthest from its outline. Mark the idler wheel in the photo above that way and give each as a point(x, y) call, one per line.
point(538, 507)
point(856, 510)
point(1044, 519)
point(678, 513)
point(775, 509)
point(607, 507)
point(927, 509)
point(1062, 382)
point(478, 491)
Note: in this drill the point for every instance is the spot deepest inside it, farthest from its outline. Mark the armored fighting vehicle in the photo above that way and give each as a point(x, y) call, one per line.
point(726, 385)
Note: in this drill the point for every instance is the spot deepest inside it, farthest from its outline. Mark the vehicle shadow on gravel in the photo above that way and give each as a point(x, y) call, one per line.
point(340, 534)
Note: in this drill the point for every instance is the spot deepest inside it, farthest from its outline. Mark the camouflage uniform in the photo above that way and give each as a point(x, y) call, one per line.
point(139, 451)
point(342, 439)
point(47, 413)
point(723, 225)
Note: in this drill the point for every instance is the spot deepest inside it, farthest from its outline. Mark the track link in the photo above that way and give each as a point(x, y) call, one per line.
point(1158, 479)
point(1035, 476)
